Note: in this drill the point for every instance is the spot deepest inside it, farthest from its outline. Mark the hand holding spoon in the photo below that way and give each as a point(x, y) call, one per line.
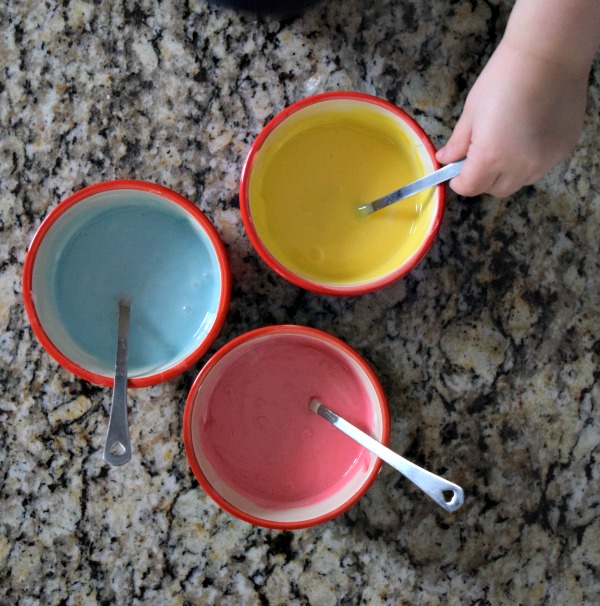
point(435, 178)
point(446, 494)
point(117, 449)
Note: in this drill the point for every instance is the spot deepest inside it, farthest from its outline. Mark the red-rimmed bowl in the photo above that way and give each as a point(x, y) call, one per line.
point(129, 239)
point(310, 169)
point(254, 445)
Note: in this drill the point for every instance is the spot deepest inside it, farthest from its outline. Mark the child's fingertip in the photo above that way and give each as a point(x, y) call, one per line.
point(440, 154)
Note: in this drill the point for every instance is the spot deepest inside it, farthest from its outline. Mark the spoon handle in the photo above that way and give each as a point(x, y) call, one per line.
point(446, 494)
point(117, 449)
point(447, 172)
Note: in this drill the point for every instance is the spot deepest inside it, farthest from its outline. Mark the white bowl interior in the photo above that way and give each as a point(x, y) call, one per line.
point(419, 148)
point(295, 512)
point(431, 198)
point(50, 304)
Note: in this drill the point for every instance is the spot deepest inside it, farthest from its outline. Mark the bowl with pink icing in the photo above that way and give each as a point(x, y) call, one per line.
point(256, 448)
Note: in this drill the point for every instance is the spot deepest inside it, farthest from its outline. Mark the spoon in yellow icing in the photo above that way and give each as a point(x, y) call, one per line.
point(447, 172)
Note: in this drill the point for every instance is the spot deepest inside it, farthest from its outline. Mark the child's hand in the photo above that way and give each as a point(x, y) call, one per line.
point(523, 115)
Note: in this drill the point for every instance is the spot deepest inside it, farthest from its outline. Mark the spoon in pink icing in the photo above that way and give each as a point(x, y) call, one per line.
point(446, 494)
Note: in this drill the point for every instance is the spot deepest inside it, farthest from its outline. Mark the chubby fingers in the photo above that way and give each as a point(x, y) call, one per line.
point(475, 178)
point(482, 173)
point(459, 142)
point(484, 176)
point(478, 178)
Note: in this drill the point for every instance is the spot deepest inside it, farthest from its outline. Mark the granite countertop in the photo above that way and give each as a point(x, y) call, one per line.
point(488, 351)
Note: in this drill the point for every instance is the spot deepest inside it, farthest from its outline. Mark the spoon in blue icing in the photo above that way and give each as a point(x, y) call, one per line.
point(446, 494)
point(447, 172)
point(117, 449)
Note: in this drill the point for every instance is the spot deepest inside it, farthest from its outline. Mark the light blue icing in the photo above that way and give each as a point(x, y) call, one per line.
point(155, 257)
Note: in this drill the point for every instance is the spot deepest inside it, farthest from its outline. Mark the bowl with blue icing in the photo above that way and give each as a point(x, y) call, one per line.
point(135, 240)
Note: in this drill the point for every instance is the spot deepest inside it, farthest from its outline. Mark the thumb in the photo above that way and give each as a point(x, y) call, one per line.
point(458, 144)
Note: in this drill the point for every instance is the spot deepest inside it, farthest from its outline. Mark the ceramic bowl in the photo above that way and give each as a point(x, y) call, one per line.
point(310, 169)
point(135, 240)
point(254, 445)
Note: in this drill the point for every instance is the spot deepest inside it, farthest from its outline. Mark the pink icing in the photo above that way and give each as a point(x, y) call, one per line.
point(261, 438)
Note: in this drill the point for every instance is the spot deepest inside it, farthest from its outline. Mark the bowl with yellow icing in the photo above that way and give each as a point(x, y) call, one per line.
point(310, 169)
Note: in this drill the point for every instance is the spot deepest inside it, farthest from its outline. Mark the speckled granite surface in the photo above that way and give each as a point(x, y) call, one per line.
point(489, 351)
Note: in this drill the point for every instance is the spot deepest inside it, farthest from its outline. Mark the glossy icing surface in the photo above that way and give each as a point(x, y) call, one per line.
point(156, 259)
point(311, 175)
point(257, 432)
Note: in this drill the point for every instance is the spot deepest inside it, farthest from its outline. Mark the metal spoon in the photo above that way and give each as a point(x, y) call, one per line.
point(435, 178)
point(446, 494)
point(117, 449)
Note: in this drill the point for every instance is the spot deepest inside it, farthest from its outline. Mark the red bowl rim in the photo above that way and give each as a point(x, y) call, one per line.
point(60, 210)
point(277, 266)
point(282, 329)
